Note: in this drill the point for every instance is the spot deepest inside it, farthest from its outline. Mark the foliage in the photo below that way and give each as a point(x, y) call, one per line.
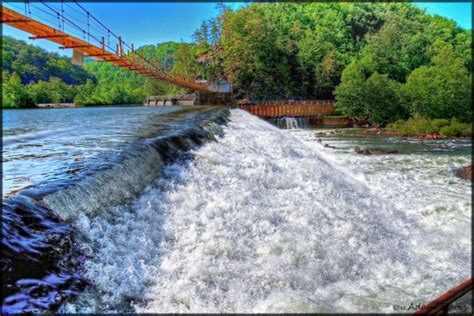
point(456, 128)
point(376, 98)
point(442, 89)
point(14, 92)
point(383, 99)
point(380, 61)
point(52, 91)
point(33, 64)
point(350, 93)
point(32, 75)
point(420, 125)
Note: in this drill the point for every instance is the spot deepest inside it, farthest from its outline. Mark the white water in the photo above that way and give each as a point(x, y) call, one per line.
point(292, 122)
point(262, 221)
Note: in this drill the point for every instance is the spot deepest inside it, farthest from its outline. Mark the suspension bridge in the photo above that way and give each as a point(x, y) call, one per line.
point(72, 26)
point(77, 29)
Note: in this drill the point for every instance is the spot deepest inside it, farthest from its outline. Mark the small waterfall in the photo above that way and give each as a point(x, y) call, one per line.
point(124, 176)
point(38, 248)
point(292, 122)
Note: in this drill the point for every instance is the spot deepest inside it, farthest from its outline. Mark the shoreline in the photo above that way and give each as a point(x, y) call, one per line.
point(75, 107)
point(373, 132)
point(387, 133)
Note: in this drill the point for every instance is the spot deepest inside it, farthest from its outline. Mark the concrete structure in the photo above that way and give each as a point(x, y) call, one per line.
point(56, 105)
point(168, 101)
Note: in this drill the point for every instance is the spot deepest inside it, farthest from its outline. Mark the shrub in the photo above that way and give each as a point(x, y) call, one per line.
point(419, 125)
point(456, 128)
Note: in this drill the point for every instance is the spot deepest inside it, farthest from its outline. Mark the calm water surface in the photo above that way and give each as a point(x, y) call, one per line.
point(47, 144)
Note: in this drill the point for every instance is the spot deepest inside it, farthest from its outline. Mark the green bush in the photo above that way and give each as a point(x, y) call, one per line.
point(456, 128)
point(413, 126)
point(439, 123)
point(419, 125)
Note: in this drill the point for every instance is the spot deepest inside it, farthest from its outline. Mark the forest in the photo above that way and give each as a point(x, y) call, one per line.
point(381, 62)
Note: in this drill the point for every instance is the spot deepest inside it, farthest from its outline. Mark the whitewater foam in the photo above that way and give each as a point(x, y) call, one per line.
point(261, 221)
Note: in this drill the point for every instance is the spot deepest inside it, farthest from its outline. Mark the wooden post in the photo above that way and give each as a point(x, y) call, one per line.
point(103, 43)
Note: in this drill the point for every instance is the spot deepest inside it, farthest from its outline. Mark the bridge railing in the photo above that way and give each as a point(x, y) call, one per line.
point(293, 108)
point(283, 102)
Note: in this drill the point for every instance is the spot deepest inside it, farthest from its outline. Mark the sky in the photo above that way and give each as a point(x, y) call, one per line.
point(152, 23)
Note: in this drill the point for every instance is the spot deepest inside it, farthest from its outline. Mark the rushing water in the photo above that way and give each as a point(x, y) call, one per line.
point(270, 220)
point(292, 122)
point(122, 150)
point(40, 145)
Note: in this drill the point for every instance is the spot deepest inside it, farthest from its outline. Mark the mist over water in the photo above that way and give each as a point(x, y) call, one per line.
point(268, 220)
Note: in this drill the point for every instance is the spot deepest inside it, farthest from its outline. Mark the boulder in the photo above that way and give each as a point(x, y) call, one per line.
point(320, 134)
point(361, 151)
point(465, 173)
point(373, 151)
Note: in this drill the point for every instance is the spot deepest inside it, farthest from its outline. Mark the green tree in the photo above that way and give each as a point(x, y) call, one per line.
point(441, 90)
point(351, 92)
point(86, 94)
point(14, 93)
point(383, 102)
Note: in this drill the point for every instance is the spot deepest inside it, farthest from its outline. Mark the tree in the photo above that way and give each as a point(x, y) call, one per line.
point(350, 93)
point(394, 50)
point(86, 94)
point(14, 93)
point(185, 61)
point(441, 90)
point(383, 101)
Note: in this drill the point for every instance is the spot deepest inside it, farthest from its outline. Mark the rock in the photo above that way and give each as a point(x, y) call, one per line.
point(320, 134)
point(465, 173)
point(329, 146)
point(319, 140)
point(375, 151)
point(361, 151)
point(433, 136)
point(74, 171)
point(378, 151)
point(375, 131)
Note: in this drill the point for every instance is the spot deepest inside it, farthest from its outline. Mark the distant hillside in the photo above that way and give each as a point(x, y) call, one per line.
point(33, 64)
point(33, 75)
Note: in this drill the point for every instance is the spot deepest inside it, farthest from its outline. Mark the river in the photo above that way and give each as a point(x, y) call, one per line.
point(250, 219)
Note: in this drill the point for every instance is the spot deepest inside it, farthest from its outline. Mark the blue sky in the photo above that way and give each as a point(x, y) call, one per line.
point(151, 23)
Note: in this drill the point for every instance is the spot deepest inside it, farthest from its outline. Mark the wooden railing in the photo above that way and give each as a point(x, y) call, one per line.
point(280, 108)
point(441, 304)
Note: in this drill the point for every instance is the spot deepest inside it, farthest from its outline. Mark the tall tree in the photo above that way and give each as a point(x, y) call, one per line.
point(441, 90)
point(351, 93)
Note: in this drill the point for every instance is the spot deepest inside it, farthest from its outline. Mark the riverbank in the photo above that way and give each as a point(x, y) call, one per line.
point(33, 107)
point(385, 132)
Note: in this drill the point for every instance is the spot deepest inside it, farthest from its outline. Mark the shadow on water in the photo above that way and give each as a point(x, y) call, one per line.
point(41, 263)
